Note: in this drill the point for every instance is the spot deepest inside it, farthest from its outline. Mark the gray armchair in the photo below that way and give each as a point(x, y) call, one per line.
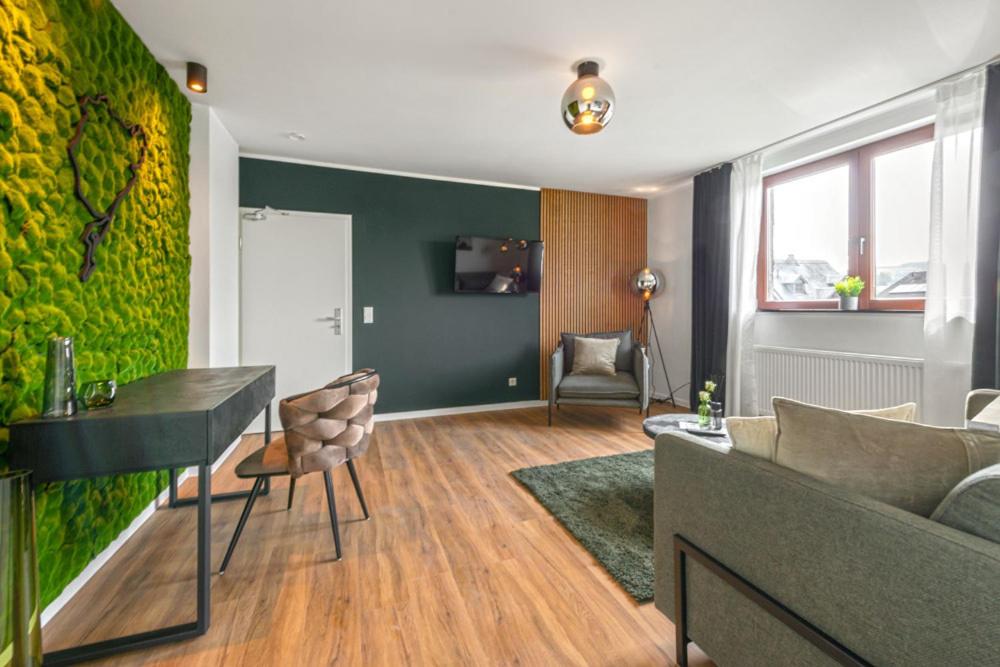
point(629, 387)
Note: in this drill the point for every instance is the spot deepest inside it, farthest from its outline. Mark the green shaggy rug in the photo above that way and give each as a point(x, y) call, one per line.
point(607, 503)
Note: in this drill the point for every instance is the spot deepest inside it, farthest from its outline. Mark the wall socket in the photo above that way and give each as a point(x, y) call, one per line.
point(511, 382)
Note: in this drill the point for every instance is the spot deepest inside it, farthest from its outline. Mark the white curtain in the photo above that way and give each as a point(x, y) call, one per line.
point(745, 201)
point(950, 307)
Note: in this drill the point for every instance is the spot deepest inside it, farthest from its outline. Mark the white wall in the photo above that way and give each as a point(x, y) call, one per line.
point(670, 250)
point(884, 121)
point(225, 246)
point(213, 337)
point(198, 230)
point(888, 334)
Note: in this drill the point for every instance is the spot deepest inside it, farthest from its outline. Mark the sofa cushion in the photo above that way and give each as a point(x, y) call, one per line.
point(910, 466)
point(594, 356)
point(756, 435)
point(974, 505)
point(623, 360)
point(619, 385)
point(753, 435)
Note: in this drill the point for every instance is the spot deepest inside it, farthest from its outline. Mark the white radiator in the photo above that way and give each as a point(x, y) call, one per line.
point(836, 379)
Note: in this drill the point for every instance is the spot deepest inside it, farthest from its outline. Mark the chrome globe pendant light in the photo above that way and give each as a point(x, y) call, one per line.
point(589, 102)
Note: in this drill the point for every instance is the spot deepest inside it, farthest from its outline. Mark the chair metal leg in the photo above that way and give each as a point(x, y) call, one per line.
point(357, 488)
point(243, 522)
point(331, 503)
point(291, 492)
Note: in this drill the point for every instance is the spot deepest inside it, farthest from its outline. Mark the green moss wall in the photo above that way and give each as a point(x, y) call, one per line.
point(131, 318)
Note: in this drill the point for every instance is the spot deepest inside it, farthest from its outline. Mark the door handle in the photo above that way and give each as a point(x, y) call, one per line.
point(336, 319)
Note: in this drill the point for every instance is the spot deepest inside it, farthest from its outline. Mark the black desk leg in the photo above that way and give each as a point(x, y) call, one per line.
point(267, 441)
point(267, 424)
point(175, 501)
point(172, 494)
point(204, 547)
point(108, 647)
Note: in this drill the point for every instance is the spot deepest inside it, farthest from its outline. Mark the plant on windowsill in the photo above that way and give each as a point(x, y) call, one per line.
point(848, 290)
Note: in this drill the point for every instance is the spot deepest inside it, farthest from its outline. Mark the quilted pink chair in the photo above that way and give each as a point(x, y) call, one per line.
point(323, 429)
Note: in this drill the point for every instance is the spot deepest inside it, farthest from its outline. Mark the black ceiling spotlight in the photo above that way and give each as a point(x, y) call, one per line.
point(197, 77)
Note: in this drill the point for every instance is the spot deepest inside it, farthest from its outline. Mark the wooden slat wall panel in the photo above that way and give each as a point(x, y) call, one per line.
point(593, 244)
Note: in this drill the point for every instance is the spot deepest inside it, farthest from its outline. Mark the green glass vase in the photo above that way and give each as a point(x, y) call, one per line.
point(20, 622)
point(704, 414)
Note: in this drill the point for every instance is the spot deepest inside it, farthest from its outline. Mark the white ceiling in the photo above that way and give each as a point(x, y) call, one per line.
point(471, 88)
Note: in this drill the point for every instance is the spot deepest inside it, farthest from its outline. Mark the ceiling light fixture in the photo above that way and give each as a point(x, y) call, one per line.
point(197, 78)
point(589, 102)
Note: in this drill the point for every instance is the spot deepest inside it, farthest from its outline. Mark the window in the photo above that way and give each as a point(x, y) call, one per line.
point(864, 212)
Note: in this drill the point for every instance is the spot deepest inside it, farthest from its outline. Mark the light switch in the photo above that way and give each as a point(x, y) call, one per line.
point(511, 382)
point(369, 314)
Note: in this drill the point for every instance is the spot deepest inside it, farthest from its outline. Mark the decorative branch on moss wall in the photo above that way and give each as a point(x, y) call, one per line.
point(95, 230)
point(130, 319)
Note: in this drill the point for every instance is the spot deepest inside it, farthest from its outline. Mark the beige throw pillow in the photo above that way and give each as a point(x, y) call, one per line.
point(756, 435)
point(910, 466)
point(753, 435)
point(594, 356)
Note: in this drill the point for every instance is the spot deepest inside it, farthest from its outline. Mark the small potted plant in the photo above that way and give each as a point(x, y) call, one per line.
point(848, 290)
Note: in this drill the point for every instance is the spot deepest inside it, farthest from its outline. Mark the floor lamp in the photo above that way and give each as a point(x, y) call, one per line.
point(646, 283)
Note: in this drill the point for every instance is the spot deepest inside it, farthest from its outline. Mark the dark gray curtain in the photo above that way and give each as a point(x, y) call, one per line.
point(986, 339)
point(710, 279)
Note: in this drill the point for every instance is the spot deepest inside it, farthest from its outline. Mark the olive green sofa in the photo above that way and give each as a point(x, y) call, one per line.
point(783, 569)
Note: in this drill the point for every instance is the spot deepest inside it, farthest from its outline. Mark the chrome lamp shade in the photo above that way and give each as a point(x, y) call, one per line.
point(589, 103)
point(646, 283)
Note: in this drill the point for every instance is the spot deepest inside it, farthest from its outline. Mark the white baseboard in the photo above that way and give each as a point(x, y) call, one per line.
point(487, 407)
point(94, 566)
point(681, 402)
point(461, 410)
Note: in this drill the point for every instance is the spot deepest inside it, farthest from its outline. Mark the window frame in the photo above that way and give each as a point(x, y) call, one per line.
point(860, 223)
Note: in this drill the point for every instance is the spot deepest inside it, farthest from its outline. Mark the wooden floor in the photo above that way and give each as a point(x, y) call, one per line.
point(458, 566)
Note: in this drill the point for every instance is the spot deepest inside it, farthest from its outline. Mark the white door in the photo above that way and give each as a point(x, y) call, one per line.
point(295, 299)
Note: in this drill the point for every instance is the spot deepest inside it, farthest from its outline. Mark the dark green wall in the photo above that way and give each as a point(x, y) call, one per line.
point(434, 348)
point(131, 318)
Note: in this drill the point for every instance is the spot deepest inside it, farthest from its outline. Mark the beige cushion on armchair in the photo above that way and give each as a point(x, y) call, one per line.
point(594, 356)
point(910, 466)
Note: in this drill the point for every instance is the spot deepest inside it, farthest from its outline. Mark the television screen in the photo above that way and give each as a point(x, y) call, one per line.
point(497, 266)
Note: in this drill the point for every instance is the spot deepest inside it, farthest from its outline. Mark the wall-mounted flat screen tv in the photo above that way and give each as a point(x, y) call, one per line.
point(497, 266)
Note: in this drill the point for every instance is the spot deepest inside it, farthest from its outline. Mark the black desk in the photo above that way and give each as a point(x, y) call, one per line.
point(166, 421)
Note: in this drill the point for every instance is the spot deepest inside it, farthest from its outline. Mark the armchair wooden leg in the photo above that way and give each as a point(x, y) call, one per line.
point(242, 522)
point(291, 492)
point(357, 488)
point(331, 503)
point(550, 414)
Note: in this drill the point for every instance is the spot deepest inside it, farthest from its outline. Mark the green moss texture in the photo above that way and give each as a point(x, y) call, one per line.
point(130, 319)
